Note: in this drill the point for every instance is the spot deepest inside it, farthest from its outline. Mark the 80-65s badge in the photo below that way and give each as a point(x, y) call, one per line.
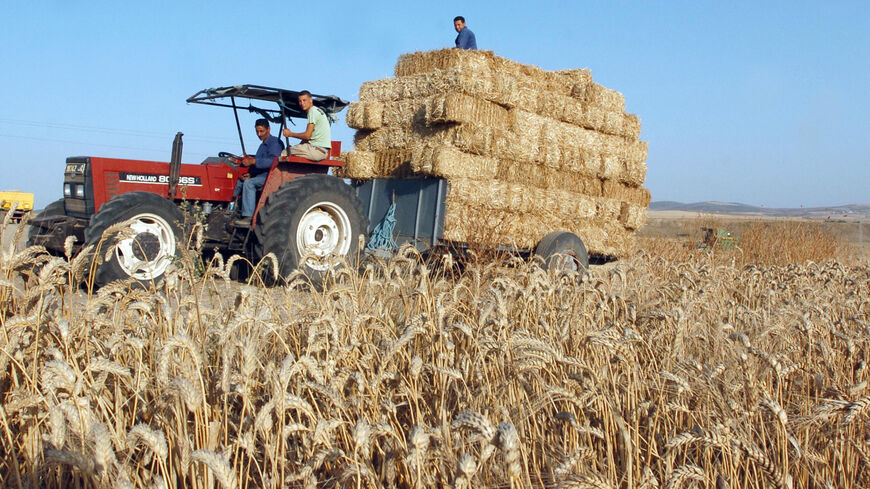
point(157, 179)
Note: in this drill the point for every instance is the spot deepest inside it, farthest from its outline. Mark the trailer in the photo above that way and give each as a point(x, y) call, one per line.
point(415, 209)
point(20, 203)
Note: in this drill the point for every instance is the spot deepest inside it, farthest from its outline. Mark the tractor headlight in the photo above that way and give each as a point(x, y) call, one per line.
point(67, 190)
point(80, 191)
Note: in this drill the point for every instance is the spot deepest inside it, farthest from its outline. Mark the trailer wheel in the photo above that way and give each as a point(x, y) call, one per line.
point(562, 250)
point(310, 222)
point(145, 256)
point(36, 234)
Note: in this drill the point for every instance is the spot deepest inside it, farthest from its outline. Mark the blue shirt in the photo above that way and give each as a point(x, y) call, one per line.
point(465, 39)
point(266, 153)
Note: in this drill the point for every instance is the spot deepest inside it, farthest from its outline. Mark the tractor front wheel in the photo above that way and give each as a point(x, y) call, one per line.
point(309, 223)
point(145, 250)
point(39, 235)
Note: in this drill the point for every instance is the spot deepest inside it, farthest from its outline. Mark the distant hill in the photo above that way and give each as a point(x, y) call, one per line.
point(853, 211)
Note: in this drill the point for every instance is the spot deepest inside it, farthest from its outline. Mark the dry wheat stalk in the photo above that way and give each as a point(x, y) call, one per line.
point(219, 466)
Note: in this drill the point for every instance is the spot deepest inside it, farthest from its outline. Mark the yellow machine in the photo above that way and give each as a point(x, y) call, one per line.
point(23, 203)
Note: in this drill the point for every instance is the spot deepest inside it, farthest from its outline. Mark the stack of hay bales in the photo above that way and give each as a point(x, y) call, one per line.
point(525, 151)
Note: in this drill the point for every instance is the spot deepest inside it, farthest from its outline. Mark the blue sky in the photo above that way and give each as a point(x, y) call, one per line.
point(764, 103)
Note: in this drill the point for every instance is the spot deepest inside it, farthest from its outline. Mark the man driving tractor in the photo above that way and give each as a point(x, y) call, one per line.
point(249, 183)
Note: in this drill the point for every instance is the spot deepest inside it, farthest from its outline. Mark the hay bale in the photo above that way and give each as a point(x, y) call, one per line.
point(400, 137)
point(568, 82)
point(632, 216)
point(499, 195)
point(428, 84)
point(481, 140)
point(587, 115)
point(444, 160)
point(375, 115)
point(545, 177)
point(471, 61)
point(604, 97)
point(510, 74)
point(359, 164)
point(634, 156)
point(616, 190)
point(362, 115)
point(467, 222)
point(392, 163)
point(607, 209)
point(461, 108)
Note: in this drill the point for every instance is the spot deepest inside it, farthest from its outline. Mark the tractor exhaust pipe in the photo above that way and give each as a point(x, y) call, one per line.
point(175, 165)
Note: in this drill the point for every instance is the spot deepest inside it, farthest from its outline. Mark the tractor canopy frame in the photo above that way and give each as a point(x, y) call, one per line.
point(286, 100)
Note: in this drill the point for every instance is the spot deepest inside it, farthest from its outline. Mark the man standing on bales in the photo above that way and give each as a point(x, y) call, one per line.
point(317, 139)
point(465, 39)
point(250, 182)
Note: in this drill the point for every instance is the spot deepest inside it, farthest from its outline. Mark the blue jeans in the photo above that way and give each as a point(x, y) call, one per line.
point(249, 189)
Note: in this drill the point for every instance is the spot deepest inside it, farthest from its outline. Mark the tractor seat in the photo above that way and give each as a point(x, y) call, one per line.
point(334, 152)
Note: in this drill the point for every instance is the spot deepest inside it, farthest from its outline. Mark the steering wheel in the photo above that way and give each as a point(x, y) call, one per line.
point(232, 159)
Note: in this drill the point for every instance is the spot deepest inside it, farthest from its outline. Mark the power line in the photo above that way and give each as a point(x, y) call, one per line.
point(115, 146)
point(107, 130)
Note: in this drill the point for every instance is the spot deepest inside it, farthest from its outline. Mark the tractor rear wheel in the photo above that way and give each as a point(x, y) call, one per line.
point(562, 250)
point(147, 251)
point(309, 223)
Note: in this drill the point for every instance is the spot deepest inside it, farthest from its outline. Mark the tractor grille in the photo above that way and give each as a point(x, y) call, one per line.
point(78, 189)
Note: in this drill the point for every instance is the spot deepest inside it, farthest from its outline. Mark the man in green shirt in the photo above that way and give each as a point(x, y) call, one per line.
point(316, 140)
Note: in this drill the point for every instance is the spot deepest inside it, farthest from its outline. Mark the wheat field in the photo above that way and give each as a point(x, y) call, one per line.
point(661, 370)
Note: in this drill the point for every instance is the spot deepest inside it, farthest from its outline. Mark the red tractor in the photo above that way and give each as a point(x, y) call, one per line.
point(304, 216)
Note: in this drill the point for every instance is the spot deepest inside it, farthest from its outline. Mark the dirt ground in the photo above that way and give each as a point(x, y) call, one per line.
point(663, 224)
point(687, 225)
point(9, 235)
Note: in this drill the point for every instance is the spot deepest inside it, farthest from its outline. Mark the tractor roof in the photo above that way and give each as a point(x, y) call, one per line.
point(286, 101)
